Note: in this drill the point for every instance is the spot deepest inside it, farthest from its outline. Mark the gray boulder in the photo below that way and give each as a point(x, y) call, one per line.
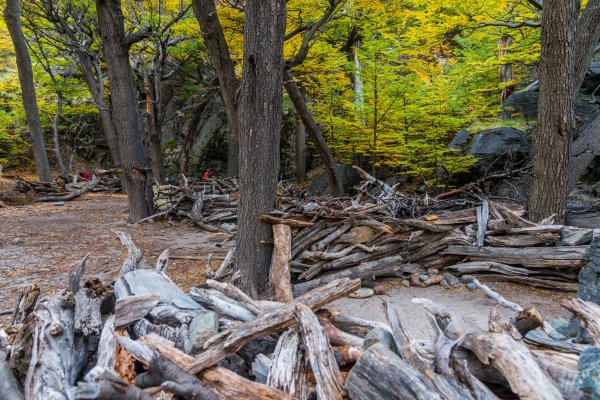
point(320, 185)
point(525, 104)
point(592, 79)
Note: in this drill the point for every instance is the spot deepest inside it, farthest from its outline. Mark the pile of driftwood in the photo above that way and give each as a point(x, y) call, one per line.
point(103, 181)
point(144, 338)
point(370, 235)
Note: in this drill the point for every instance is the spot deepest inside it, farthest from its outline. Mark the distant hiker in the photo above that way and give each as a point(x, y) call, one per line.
point(86, 176)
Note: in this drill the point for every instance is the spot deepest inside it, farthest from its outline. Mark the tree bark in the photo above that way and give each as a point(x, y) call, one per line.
point(260, 113)
point(154, 134)
point(12, 16)
point(125, 109)
point(218, 51)
point(300, 151)
point(556, 121)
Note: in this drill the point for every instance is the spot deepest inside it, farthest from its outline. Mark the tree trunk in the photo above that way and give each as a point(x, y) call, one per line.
point(154, 135)
point(12, 16)
point(556, 120)
point(125, 109)
point(300, 150)
point(218, 51)
point(315, 134)
point(260, 113)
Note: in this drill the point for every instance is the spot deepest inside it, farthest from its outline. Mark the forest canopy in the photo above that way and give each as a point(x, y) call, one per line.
point(390, 82)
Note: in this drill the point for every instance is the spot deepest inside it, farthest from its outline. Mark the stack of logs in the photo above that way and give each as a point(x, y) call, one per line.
point(145, 338)
point(102, 181)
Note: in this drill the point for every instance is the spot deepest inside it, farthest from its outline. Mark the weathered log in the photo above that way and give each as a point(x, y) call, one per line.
point(588, 312)
point(74, 194)
point(220, 273)
point(530, 257)
point(541, 239)
point(356, 326)
point(546, 283)
point(216, 301)
point(149, 281)
point(280, 264)
point(227, 384)
point(287, 372)
point(162, 262)
point(323, 243)
point(338, 337)
point(503, 348)
point(426, 226)
point(330, 385)
point(292, 223)
point(270, 322)
point(134, 254)
point(25, 305)
point(236, 294)
point(381, 374)
point(390, 266)
point(482, 222)
point(107, 346)
point(52, 370)
point(132, 308)
point(562, 368)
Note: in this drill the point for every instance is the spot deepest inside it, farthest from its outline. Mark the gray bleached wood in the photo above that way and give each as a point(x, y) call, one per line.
point(132, 308)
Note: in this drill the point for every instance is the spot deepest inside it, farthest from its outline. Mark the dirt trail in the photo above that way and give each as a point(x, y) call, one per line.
point(40, 243)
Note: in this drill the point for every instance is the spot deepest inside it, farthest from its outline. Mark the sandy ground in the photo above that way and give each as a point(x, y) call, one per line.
point(41, 243)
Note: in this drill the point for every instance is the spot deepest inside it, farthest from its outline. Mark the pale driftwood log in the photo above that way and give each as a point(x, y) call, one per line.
point(74, 194)
point(52, 370)
point(503, 348)
point(537, 229)
point(144, 327)
point(338, 337)
point(270, 322)
point(588, 312)
point(221, 271)
point(227, 384)
point(330, 385)
point(487, 266)
point(234, 293)
point(321, 255)
point(164, 372)
point(149, 281)
point(216, 301)
point(292, 223)
point(426, 226)
point(260, 368)
point(482, 222)
point(162, 262)
point(356, 326)
point(107, 346)
point(10, 388)
point(381, 374)
point(405, 344)
point(530, 281)
point(132, 308)
point(541, 239)
point(390, 266)
point(514, 307)
point(280, 264)
point(22, 329)
point(134, 254)
point(562, 368)
point(287, 372)
point(541, 340)
point(530, 257)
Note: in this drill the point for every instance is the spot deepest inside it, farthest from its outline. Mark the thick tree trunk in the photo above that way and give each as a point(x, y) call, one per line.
point(125, 109)
point(556, 121)
point(12, 16)
point(154, 134)
point(315, 134)
point(260, 113)
point(218, 51)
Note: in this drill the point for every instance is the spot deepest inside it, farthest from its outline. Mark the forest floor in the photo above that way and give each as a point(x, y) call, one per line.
point(41, 243)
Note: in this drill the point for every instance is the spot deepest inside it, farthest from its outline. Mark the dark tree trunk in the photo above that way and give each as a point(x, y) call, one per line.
point(218, 51)
point(315, 133)
point(12, 16)
point(300, 151)
point(125, 109)
point(154, 134)
point(260, 113)
point(556, 120)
